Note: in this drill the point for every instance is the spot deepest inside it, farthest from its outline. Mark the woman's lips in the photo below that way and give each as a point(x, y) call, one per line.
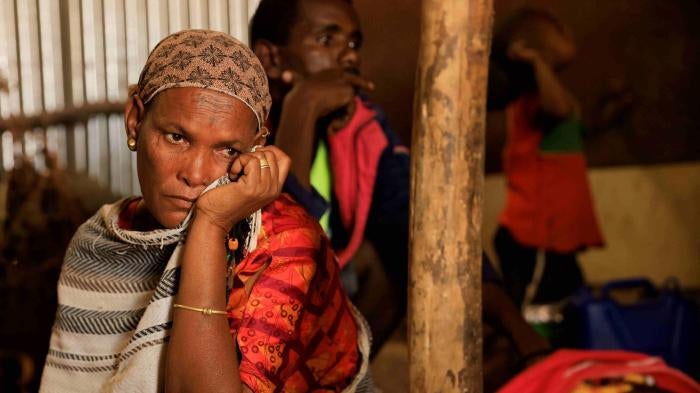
point(181, 202)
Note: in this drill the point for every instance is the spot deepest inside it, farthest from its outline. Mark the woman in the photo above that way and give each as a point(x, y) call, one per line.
point(142, 307)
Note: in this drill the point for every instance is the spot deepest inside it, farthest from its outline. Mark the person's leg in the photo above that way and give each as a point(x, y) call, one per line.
point(348, 277)
point(378, 298)
point(517, 264)
point(562, 277)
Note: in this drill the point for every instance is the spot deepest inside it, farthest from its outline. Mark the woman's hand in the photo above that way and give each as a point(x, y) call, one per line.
point(259, 177)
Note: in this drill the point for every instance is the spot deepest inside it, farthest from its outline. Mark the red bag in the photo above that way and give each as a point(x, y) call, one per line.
point(569, 371)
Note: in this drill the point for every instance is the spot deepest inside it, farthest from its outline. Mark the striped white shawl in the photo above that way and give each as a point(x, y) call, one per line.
point(115, 296)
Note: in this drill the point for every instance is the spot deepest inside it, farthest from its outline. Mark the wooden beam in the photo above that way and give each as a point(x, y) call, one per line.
point(445, 335)
point(66, 116)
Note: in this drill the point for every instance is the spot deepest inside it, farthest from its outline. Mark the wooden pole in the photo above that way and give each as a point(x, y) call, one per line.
point(445, 335)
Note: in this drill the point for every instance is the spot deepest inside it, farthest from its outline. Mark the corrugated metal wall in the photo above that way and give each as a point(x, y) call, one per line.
point(56, 54)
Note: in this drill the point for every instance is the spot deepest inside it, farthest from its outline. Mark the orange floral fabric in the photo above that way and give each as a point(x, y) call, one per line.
point(288, 311)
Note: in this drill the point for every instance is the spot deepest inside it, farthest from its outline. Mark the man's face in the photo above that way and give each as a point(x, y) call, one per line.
point(188, 138)
point(326, 36)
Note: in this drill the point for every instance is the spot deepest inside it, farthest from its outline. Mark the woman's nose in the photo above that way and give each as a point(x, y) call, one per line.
point(197, 170)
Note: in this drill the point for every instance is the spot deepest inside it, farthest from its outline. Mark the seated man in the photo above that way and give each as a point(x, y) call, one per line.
point(310, 52)
point(349, 169)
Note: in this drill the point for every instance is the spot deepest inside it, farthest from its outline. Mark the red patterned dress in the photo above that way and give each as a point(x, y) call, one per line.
point(293, 323)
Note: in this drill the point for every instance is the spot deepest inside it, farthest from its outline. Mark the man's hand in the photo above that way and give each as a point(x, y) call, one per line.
point(327, 93)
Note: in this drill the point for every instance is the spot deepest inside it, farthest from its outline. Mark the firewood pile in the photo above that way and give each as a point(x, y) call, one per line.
point(41, 217)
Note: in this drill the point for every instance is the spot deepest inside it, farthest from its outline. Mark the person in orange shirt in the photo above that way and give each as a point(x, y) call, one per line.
point(549, 210)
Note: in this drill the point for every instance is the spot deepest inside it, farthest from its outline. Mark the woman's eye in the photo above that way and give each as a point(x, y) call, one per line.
point(174, 138)
point(231, 152)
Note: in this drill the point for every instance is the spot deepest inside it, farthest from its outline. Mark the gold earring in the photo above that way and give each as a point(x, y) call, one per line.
point(131, 143)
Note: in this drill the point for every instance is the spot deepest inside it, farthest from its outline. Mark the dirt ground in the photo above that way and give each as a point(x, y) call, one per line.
point(390, 367)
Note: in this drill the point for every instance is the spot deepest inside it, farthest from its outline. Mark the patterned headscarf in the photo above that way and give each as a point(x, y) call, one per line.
point(210, 60)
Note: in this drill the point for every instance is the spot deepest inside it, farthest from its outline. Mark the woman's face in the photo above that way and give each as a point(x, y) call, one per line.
point(187, 139)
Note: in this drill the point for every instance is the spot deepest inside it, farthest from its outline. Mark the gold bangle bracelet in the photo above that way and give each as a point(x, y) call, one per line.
point(204, 311)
